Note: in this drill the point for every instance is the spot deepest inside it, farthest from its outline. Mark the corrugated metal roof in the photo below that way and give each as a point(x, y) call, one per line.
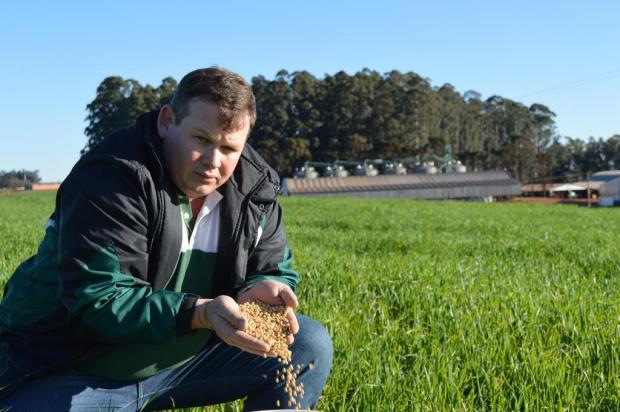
point(441, 185)
point(593, 185)
point(607, 173)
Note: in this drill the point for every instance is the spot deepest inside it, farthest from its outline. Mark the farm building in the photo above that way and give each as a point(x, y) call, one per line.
point(609, 191)
point(470, 186)
point(603, 186)
point(537, 189)
point(37, 187)
point(41, 187)
point(577, 190)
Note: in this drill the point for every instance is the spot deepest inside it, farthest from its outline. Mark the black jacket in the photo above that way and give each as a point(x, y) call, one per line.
point(111, 247)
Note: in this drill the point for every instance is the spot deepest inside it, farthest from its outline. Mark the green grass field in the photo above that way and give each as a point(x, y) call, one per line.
point(442, 305)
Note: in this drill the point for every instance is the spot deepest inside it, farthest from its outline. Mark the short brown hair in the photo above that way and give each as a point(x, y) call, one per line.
point(228, 90)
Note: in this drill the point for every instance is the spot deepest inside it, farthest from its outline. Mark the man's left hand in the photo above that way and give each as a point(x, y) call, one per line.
point(274, 293)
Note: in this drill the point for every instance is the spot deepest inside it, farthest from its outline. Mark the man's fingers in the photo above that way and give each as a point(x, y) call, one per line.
point(270, 292)
point(251, 342)
point(248, 343)
point(293, 325)
point(292, 321)
point(288, 297)
point(240, 339)
point(233, 316)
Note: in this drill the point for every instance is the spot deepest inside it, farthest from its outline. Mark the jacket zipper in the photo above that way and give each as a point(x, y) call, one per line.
point(234, 245)
point(161, 220)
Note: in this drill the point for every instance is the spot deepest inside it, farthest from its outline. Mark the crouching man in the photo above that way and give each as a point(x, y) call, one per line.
point(159, 233)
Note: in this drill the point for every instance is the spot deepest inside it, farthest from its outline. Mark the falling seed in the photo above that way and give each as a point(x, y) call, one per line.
point(270, 325)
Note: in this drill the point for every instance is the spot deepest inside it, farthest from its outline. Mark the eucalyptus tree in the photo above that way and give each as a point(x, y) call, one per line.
point(338, 116)
point(561, 162)
point(452, 113)
point(384, 126)
point(594, 157)
point(612, 152)
point(543, 126)
point(495, 133)
point(358, 142)
point(504, 120)
point(165, 91)
point(517, 158)
point(118, 103)
point(107, 112)
point(420, 117)
point(542, 131)
point(273, 119)
point(307, 95)
point(404, 115)
point(578, 158)
point(471, 147)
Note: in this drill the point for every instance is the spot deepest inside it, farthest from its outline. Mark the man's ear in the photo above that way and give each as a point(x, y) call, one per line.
point(165, 120)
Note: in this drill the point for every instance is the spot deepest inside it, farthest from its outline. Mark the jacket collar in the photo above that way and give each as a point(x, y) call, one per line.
point(250, 171)
point(146, 126)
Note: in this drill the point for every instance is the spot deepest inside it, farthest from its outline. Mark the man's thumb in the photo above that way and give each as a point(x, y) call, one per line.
point(288, 297)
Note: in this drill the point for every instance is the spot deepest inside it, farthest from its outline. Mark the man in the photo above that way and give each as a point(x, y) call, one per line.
point(155, 233)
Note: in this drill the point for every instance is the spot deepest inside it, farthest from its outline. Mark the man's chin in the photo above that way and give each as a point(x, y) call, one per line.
point(204, 190)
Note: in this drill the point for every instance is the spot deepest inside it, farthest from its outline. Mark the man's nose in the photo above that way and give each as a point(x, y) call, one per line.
point(211, 156)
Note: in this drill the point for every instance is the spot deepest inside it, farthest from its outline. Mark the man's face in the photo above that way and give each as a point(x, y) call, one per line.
point(200, 157)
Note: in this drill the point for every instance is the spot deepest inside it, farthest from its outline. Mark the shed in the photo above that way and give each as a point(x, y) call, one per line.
point(538, 189)
point(472, 186)
point(41, 187)
point(609, 192)
point(578, 189)
point(568, 187)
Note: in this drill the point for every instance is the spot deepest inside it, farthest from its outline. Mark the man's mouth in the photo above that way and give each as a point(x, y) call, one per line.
point(207, 176)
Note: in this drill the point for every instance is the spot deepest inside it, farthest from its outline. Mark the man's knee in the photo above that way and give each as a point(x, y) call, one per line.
point(313, 343)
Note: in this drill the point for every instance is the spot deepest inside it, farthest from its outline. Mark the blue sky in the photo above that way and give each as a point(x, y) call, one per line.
point(563, 54)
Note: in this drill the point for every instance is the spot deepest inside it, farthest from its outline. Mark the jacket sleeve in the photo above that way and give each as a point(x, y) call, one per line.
point(103, 256)
point(271, 257)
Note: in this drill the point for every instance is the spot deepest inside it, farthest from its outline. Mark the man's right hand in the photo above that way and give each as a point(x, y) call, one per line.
point(222, 315)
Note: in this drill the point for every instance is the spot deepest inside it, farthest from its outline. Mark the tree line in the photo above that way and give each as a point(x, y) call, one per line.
point(371, 115)
point(18, 178)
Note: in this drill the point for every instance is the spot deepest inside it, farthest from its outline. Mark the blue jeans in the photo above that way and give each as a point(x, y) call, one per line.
point(218, 373)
